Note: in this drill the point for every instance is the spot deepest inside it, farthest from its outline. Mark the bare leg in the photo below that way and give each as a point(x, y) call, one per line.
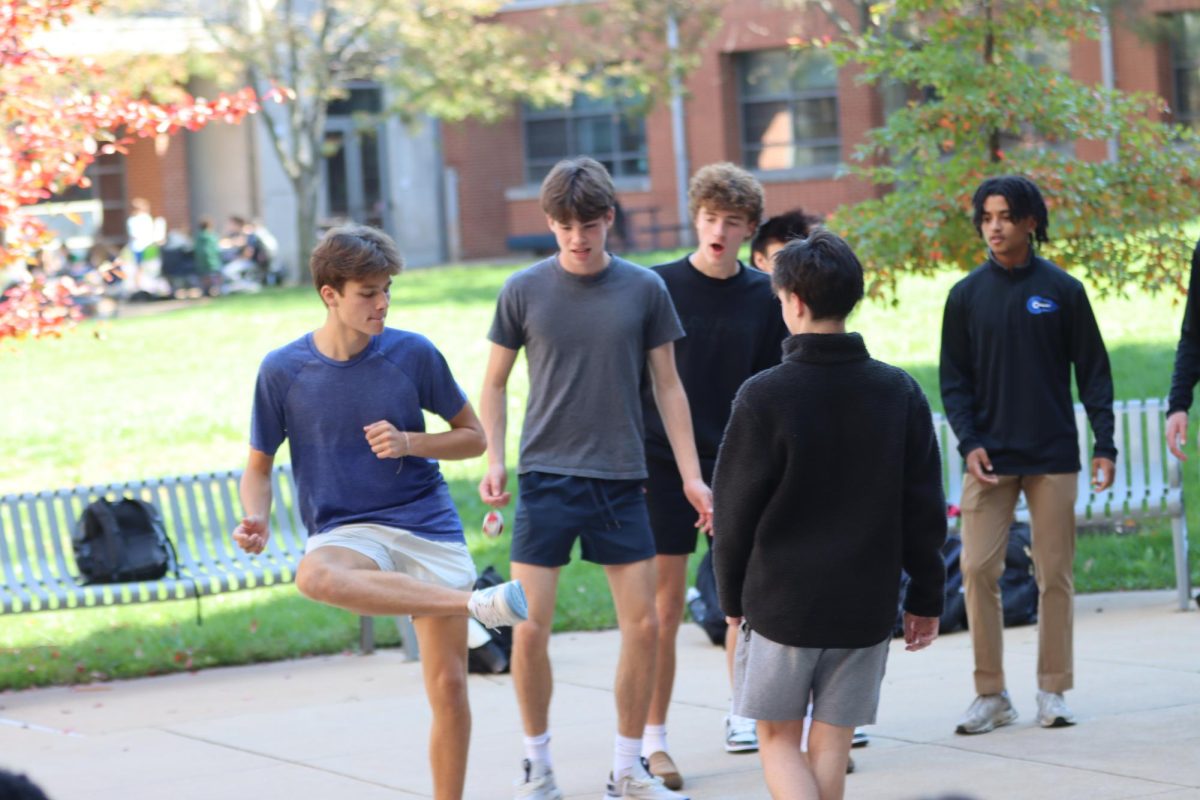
point(731, 637)
point(632, 588)
point(785, 768)
point(533, 679)
point(829, 752)
point(668, 604)
point(347, 579)
point(443, 643)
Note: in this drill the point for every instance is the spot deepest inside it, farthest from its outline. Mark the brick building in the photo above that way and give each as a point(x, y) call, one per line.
point(741, 106)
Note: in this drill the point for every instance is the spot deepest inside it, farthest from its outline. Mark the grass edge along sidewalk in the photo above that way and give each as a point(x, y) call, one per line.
point(140, 397)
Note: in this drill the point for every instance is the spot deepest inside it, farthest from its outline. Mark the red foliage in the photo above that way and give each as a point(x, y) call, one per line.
point(47, 141)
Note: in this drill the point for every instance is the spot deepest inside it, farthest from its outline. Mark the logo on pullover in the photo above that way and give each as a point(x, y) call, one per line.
point(1040, 305)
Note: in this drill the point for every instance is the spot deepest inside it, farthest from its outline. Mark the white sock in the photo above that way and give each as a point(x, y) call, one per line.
point(654, 740)
point(626, 753)
point(537, 748)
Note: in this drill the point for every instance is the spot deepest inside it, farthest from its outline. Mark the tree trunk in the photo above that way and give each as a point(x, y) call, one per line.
point(305, 187)
point(989, 64)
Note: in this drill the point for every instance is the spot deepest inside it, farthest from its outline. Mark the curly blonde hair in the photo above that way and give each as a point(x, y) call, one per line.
point(726, 187)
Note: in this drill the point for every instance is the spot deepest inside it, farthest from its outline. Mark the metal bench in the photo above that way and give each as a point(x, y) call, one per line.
point(1149, 481)
point(37, 566)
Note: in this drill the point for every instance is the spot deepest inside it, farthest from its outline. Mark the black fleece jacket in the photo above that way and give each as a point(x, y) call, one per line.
point(1187, 355)
point(828, 481)
point(1009, 340)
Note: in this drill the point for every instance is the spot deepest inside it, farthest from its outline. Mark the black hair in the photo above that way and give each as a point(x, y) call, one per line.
point(1024, 201)
point(822, 271)
point(794, 224)
point(19, 787)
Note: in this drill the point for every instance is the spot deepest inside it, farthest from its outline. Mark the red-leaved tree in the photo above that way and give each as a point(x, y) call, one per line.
point(51, 128)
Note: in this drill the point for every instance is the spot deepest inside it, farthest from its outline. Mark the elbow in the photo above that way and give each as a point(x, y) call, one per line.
point(477, 444)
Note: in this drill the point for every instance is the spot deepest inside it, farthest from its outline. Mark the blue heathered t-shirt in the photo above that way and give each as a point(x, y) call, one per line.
point(321, 406)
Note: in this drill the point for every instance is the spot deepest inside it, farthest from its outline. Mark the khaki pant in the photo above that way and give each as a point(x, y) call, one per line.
point(987, 513)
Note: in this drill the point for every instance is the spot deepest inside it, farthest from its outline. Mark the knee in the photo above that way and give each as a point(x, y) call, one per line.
point(315, 580)
point(531, 635)
point(642, 629)
point(669, 614)
point(448, 689)
point(986, 573)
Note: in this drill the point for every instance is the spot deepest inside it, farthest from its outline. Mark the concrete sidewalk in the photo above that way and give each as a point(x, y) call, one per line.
point(354, 727)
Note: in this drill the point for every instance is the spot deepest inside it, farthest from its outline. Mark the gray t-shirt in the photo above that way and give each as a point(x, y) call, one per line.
point(586, 340)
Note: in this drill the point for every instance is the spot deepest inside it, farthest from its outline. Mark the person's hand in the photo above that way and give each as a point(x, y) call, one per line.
point(386, 441)
point(700, 496)
point(252, 533)
point(979, 466)
point(1177, 425)
point(491, 488)
point(919, 632)
point(1104, 472)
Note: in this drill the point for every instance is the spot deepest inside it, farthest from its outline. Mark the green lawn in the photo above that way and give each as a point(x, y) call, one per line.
point(170, 393)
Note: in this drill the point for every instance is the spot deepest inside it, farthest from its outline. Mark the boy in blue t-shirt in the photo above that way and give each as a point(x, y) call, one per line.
point(384, 536)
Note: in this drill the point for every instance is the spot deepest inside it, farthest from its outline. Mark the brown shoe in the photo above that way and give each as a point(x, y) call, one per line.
point(660, 765)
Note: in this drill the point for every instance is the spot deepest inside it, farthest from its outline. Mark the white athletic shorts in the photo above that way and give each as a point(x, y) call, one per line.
point(397, 550)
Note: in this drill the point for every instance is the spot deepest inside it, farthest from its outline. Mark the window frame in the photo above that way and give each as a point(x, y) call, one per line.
point(794, 99)
point(534, 169)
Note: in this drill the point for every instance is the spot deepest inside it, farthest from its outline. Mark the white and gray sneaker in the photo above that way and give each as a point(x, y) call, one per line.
point(640, 784)
point(1053, 711)
point(986, 713)
point(498, 606)
point(741, 734)
point(537, 783)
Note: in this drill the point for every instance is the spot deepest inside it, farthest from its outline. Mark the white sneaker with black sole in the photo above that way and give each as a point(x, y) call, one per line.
point(1053, 711)
point(986, 713)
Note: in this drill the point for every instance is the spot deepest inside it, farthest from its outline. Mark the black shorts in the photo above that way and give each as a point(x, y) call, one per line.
point(607, 516)
point(671, 515)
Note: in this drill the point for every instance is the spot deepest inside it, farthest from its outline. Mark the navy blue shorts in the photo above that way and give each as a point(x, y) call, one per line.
point(607, 516)
point(671, 515)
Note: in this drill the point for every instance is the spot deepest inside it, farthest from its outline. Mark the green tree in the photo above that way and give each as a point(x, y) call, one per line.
point(982, 103)
point(449, 59)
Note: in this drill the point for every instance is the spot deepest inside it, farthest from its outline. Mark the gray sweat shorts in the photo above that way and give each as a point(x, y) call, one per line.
point(773, 681)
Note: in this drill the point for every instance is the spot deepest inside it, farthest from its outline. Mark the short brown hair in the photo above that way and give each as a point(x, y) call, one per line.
point(353, 253)
point(578, 189)
point(725, 187)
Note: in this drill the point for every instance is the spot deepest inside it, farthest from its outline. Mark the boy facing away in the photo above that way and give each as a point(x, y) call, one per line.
point(733, 327)
point(384, 536)
point(828, 482)
point(590, 323)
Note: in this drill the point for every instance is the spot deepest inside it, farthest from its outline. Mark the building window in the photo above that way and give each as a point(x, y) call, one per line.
point(1185, 66)
point(789, 109)
point(1043, 52)
point(610, 130)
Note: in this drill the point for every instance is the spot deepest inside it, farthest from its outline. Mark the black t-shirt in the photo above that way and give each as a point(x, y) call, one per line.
point(734, 329)
point(1009, 341)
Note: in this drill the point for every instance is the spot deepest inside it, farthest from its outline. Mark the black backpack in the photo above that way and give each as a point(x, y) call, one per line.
point(121, 542)
point(704, 604)
point(1018, 585)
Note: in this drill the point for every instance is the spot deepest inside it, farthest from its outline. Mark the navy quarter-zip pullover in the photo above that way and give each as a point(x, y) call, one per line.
point(1009, 340)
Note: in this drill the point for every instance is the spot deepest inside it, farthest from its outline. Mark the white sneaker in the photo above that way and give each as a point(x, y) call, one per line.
point(1053, 711)
point(741, 734)
point(639, 783)
point(499, 606)
point(537, 784)
point(986, 713)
